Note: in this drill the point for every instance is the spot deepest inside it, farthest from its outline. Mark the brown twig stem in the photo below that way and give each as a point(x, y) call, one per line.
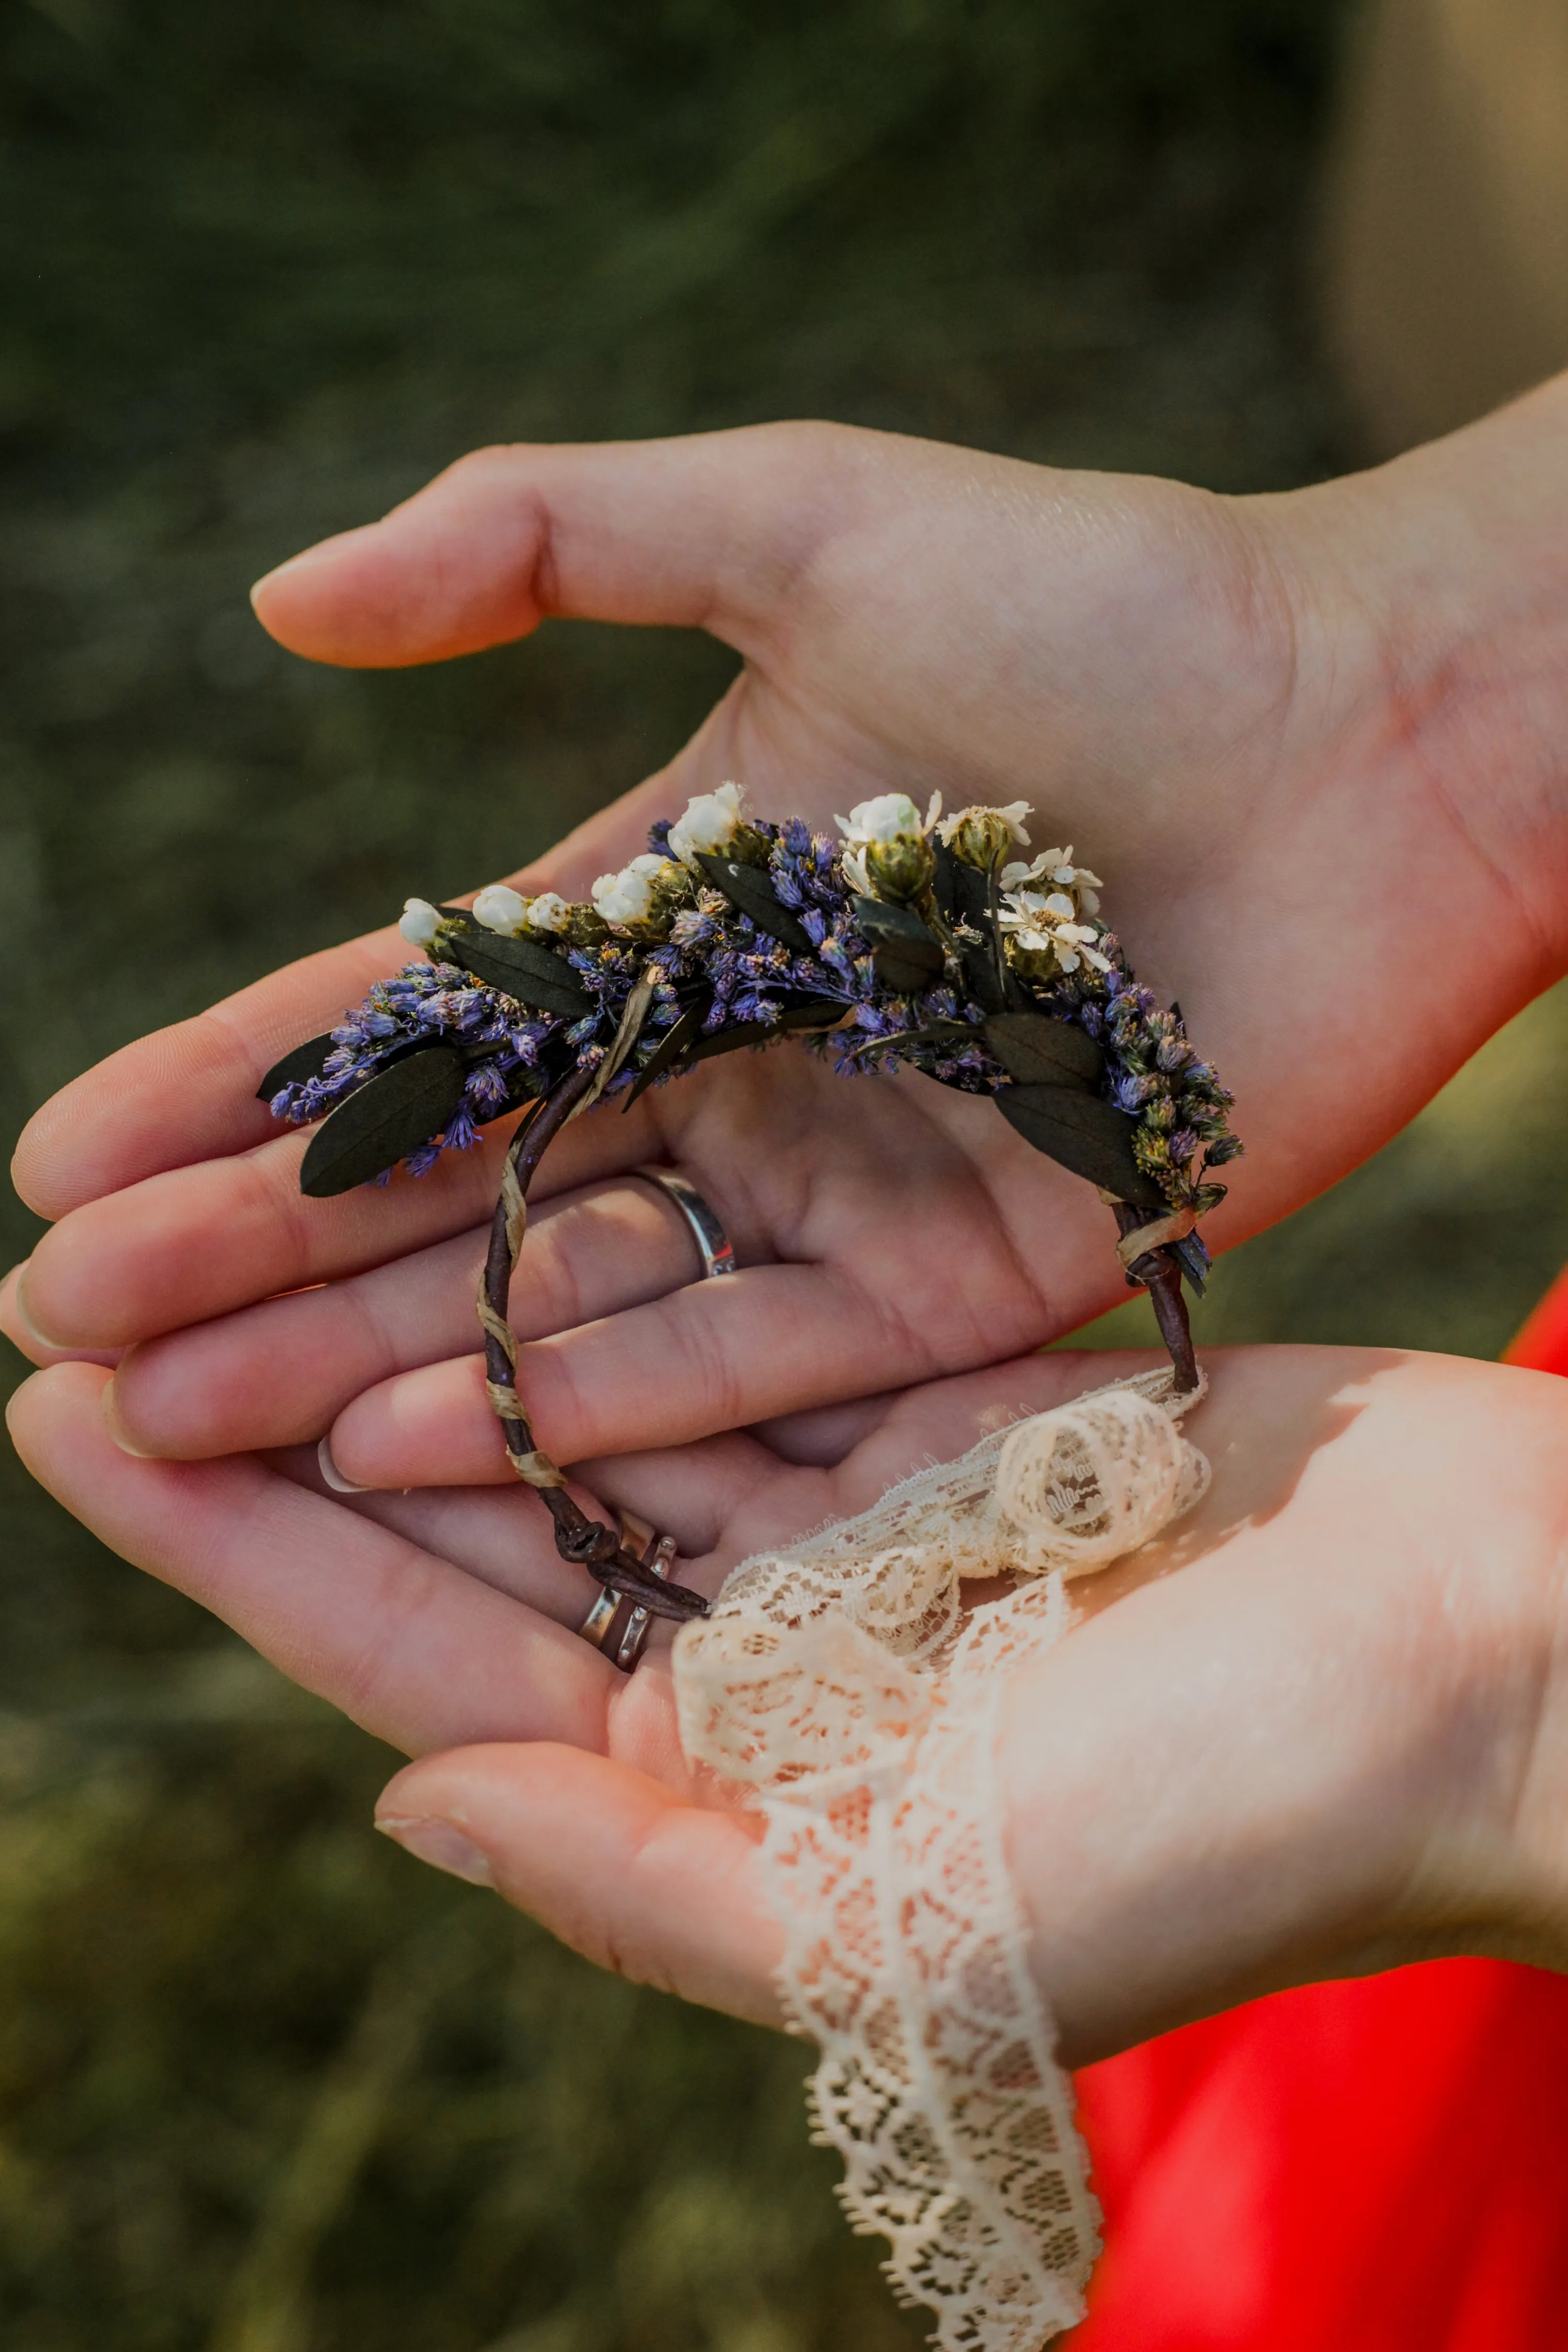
point(587, 1542)
point(1158, 1272)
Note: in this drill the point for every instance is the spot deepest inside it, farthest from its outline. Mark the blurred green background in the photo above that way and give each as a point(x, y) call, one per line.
point(265, 2084)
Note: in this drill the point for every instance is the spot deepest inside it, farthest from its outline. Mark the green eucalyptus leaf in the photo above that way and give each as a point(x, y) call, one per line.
point(759, 1033)
point(972, 895)
point(379, 1124)
point(296, 1068)
point(749, 892)
point(906, 952)
point(1038, 1051)
point(539, 979)
point(981, 978)
point(671, 1048)
point(944, 881)
point(934, 1032)
point(1084, 1133)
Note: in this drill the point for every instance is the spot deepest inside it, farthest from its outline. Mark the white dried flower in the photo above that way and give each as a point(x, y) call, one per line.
point(1056, 866)
point(657, 869)
point(1046, 923)
point(890, 817)
point(501, 909)
point(888, 854)
point(548, 912)
point(624, 898)
point(710, 825)
point(419, 923)
point(1012, 816)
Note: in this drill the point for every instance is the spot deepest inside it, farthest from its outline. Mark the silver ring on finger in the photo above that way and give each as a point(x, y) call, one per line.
point(618, 1628)
point(713, 1244)
point(639, 1624)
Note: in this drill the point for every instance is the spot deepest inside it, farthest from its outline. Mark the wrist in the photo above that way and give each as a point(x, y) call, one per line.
point(1443, 575)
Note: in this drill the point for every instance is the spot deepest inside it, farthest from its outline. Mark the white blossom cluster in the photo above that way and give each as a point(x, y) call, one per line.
point(631, 898)
point(892, 821)
point(499, 908)
point(1050, 920)
point(1047, 904)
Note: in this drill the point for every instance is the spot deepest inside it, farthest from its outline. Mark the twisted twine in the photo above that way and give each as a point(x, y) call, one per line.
point(586, 1541)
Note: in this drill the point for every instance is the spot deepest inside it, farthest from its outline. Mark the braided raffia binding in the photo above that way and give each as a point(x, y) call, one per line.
point(843, 1682)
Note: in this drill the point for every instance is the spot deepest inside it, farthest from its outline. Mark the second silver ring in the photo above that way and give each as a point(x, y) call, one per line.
point(713, 1245)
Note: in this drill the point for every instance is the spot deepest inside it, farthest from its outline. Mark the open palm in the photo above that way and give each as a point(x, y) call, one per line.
point(1303, 773)
point(1321, 1725)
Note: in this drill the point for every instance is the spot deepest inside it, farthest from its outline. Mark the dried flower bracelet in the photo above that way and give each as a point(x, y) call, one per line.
point(912, 940)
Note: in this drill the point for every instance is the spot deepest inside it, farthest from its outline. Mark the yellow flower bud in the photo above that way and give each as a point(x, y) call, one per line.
point(981, 837)
point(900, 870)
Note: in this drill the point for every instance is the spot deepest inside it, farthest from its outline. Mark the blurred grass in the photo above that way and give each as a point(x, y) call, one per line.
point(265, 2084)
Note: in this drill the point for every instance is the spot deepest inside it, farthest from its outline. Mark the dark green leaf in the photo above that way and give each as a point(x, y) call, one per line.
point(944, 881)
point(976, 905)
point(749, 892)
point(972, 895)
point(303, 1063)
point(980, 979)
point(1084, 1133)
point(670, 1049)
point(759, 1033)
point(935, 1033)
point(1038, 1051)
point(400, 1110)
point(535, 975)
point(907, 954)
point(1192, 1262)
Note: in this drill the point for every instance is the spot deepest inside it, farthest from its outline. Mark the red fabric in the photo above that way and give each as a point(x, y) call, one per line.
point(1379, 2165)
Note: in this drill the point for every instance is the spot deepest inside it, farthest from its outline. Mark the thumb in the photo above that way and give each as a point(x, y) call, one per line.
point(628, 1874)
point(701, 533)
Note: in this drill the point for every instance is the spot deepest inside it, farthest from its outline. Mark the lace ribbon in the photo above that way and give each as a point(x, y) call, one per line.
point(843, 1682)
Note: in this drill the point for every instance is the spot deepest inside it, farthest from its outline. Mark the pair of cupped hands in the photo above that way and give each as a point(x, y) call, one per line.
point(1314, 744)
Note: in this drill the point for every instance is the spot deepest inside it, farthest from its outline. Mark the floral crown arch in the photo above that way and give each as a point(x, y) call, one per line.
point(948, 944)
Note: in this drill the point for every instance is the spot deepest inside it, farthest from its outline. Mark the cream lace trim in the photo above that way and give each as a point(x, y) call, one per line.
point(843, 1682)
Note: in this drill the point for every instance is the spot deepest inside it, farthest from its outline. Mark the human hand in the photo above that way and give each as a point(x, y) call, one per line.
point(1311, 741)
point(1319, 1727)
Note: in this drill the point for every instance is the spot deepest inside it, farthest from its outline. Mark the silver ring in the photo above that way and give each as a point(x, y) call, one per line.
point(634, 1641)
point(712, 1242)
point(657, 1553)
point(596, 1624)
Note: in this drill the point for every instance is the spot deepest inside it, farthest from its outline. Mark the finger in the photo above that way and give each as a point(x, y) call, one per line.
point(502, 1534)
point(494, 1533)
point(730, 1498)
point(278, 1373)
point(17, 1327)
point(699, 1494)
point(717, 1355)
point(639, 1881)
point(701, 533)
point(679, 1368)
point(193, 1242)
point(188, 1093)
point(408, 1645)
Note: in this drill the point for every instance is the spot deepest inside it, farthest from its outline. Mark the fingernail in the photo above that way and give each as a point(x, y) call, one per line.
point(275, 573)
point(111, 1423)
point(29, 1321)
point(439, 1844)
point(332, 1474)
point(13, 1400)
